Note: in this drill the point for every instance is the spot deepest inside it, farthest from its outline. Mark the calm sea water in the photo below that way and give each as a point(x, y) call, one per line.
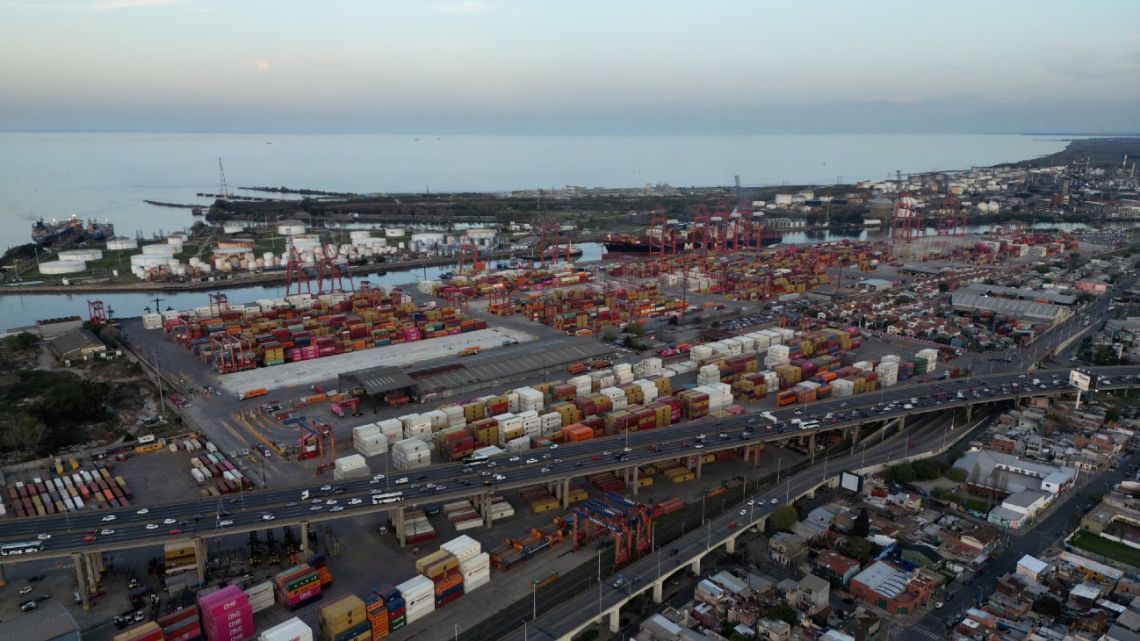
point(108, 175)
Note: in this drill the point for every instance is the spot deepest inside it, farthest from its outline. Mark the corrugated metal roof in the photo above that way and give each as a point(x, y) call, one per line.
point(377, 380)
point(1023, 294)
point(1007, 306)
point(883, 579)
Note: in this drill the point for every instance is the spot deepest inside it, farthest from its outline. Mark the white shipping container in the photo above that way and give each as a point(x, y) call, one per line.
point(292, 630)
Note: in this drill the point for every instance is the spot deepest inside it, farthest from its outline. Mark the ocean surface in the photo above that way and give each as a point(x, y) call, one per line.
point(107, 176)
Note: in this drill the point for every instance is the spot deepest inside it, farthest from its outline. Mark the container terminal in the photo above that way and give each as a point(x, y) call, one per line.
point(656, 393)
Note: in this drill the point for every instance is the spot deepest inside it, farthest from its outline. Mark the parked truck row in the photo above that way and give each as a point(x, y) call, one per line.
point(70, 491)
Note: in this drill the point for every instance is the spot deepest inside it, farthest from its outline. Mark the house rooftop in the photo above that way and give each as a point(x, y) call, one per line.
point(884, 579)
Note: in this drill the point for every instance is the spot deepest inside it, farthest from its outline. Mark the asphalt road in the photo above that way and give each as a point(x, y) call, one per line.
point(288, 507)
point(638, 576)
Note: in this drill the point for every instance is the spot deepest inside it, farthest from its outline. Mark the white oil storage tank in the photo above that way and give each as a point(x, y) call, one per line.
point(290, 227)
point(81, 254)
point(233, 228)
point(160, 249)
point(119, 244)
point(56, 267)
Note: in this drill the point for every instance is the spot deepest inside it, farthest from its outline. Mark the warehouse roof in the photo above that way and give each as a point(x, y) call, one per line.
point(1008, 306)
point(47, 623)
point(884, 579)
point(485, 368)
point(1023, 294)
point(377, 380)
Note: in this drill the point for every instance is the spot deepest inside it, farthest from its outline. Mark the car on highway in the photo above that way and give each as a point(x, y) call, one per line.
point(698, 446)
point(90, 538)
point(29, 606)
point(109, 518)
point(316, 508)
point(775, 501)
point(377, 478)
point(618, 582)
point(743, 512)
point(143, 511)
point(531, 461)
point(500, 477)
point(723, 435)
point(401, 480)
point(174, 532)
point(330, 502)
point(267, 517)
point(337, 508)
point(152, 526)
point(106, 532)
point(355, 501)
point(545, 470)
point(169, 521)
point(326, 488)
point(43, 537)
point(26, 589)
point(225, 523)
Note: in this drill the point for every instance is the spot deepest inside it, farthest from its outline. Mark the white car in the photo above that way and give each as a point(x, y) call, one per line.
point(500, 477)
point(743, 512)
point(225, 523)
point(355, 502)
point(106, 531)
point(627, 449)
point(545, 470)
point(606, 453)
point(316, 508)
point(143, 511)
point(775, 501)
point(401, 480)
point(554, 446)
point(330, 502)
point(169, 521)
point(698, 446)
point(326, 488)
point(152, 526)
point(337, 508)
point(43, 537)
point(267, 517)
point(109, 518)
point(531, 461)
point(377, 478)
point(513, 459)
point(752, 501)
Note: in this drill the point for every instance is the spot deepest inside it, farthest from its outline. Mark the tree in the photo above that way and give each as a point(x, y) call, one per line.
point(955, 474)
point(858, 548)
point(783, 518)
point(1048, 606)
point(782, 610)
point(1112, 414)
point(943, 287)
point(862, 523)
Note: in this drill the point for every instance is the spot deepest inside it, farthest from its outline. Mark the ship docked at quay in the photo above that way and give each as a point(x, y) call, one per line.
point(72, 230)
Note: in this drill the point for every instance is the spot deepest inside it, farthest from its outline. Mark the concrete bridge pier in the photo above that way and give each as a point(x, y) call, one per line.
point(565, 484)
point(700, 464)
point(305, 537)
point(659, 591)
point(201, 555)
point(81, 580)
point(397, 519)
point(633, 472)
point(485, 502)
point(3, 579)
point(615, 620)
point(969, 413)
point(730, 545)
point(695, 566)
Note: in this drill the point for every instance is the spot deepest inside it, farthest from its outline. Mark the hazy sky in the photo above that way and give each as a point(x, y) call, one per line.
point(615, 66)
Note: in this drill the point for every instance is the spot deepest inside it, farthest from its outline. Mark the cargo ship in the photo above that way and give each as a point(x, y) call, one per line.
point(633, 244)
point(68, 231)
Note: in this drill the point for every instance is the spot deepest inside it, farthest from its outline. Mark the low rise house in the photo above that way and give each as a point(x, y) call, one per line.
point(814, 593)
point(898, 592)
point(835, 567)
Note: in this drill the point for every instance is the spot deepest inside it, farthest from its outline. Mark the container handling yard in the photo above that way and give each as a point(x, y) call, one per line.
point(418, 444)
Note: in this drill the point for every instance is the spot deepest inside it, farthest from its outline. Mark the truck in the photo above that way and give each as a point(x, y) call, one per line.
point(470, 351)
point(252, 393)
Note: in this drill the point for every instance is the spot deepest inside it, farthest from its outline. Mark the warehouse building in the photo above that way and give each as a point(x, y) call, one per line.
point(1020, 309)
point(77, 345)
point(1034, 295)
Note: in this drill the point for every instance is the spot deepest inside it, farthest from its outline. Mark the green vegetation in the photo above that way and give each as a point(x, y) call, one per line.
point(1104, 547)
point(860, 549)
point(904, 473)
point(783, 518)
point(782, 610)
point(956, 474)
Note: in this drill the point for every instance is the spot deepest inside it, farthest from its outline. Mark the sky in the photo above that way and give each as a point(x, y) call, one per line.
point(571, 67)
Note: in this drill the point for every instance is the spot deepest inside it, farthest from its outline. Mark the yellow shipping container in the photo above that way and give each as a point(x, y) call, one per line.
point(644, 481)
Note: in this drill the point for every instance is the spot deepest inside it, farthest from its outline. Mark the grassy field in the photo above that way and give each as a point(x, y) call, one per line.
point(1106, 548)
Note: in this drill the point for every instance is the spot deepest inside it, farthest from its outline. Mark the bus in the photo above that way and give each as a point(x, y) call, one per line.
point(475, 459)
point(388, 497)
point(15, 549)
point(146, 439)
point(769, 416)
